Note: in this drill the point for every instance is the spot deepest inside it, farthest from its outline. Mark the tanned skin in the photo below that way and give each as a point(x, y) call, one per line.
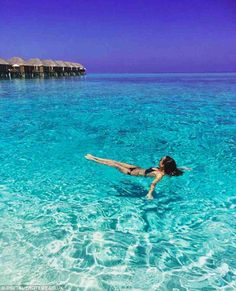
point(133, 170)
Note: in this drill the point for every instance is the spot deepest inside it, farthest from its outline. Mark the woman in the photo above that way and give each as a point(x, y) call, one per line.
point(167, 166)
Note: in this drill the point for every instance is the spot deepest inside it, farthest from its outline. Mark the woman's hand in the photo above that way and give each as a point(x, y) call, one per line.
point(153, 185)
point(149, 196)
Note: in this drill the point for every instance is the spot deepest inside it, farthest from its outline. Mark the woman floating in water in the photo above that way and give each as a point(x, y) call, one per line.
point(167, 166)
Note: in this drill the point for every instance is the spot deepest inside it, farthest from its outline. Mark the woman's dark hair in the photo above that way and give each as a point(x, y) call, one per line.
point(170, 167)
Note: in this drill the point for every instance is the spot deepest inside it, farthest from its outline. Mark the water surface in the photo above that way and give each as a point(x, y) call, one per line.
point(65, 220)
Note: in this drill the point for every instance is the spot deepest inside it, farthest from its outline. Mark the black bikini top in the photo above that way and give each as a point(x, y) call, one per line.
point(149, 170)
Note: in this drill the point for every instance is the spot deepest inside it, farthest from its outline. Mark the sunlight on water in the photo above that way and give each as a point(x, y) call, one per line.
point(65, 220)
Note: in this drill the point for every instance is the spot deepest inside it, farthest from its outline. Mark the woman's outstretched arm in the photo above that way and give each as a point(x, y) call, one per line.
point(153, 185)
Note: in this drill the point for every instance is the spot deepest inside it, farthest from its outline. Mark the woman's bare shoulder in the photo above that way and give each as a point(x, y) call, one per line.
point(158, 174)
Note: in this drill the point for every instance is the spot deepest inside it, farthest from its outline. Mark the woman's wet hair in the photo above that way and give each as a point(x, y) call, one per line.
point(170, 167)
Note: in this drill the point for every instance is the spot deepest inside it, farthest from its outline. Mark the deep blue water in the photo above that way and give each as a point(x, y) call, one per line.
point(66, 220)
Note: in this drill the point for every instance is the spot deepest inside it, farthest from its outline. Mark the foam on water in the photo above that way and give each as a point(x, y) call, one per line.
point(66, 220)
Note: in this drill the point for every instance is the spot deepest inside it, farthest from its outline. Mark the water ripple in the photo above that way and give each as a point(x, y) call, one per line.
point(67, 221)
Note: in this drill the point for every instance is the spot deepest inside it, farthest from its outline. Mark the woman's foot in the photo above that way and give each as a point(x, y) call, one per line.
point(89, 157)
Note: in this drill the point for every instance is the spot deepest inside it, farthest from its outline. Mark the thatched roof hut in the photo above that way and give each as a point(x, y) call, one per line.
point(80, 66)
point(35, 67)
point(3, 62)
point(16, 62)
point(61, 64)
point(49, 63)
point(74, 65)
point(35, 62)
point(69, 64)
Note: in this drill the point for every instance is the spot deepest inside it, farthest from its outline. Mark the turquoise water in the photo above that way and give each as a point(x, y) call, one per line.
point(66, 220)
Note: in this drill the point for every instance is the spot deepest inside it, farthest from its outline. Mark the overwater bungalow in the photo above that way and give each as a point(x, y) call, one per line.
point(17, 67)
point(75, 69)
point(82, 69)
point(49, 68)
point(68, 69)
point(4, 69)
point(60, 68)
point(20, 68)
point(38, 68)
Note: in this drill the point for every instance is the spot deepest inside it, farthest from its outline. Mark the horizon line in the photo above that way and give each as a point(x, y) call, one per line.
point(204, 72)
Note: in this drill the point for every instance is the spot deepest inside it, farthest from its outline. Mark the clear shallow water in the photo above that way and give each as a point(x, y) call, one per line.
point(66, 220)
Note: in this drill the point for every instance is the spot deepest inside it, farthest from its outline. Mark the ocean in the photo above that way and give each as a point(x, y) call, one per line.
point(71, 223)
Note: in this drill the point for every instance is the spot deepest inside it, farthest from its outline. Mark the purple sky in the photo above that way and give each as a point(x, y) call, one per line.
point(123, 35)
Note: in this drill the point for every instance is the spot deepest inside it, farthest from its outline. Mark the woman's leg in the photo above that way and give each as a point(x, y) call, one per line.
point(108, 162)
point(101, 161)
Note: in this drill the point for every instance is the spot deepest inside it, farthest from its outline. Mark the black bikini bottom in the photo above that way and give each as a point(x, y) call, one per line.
point(131, 170)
